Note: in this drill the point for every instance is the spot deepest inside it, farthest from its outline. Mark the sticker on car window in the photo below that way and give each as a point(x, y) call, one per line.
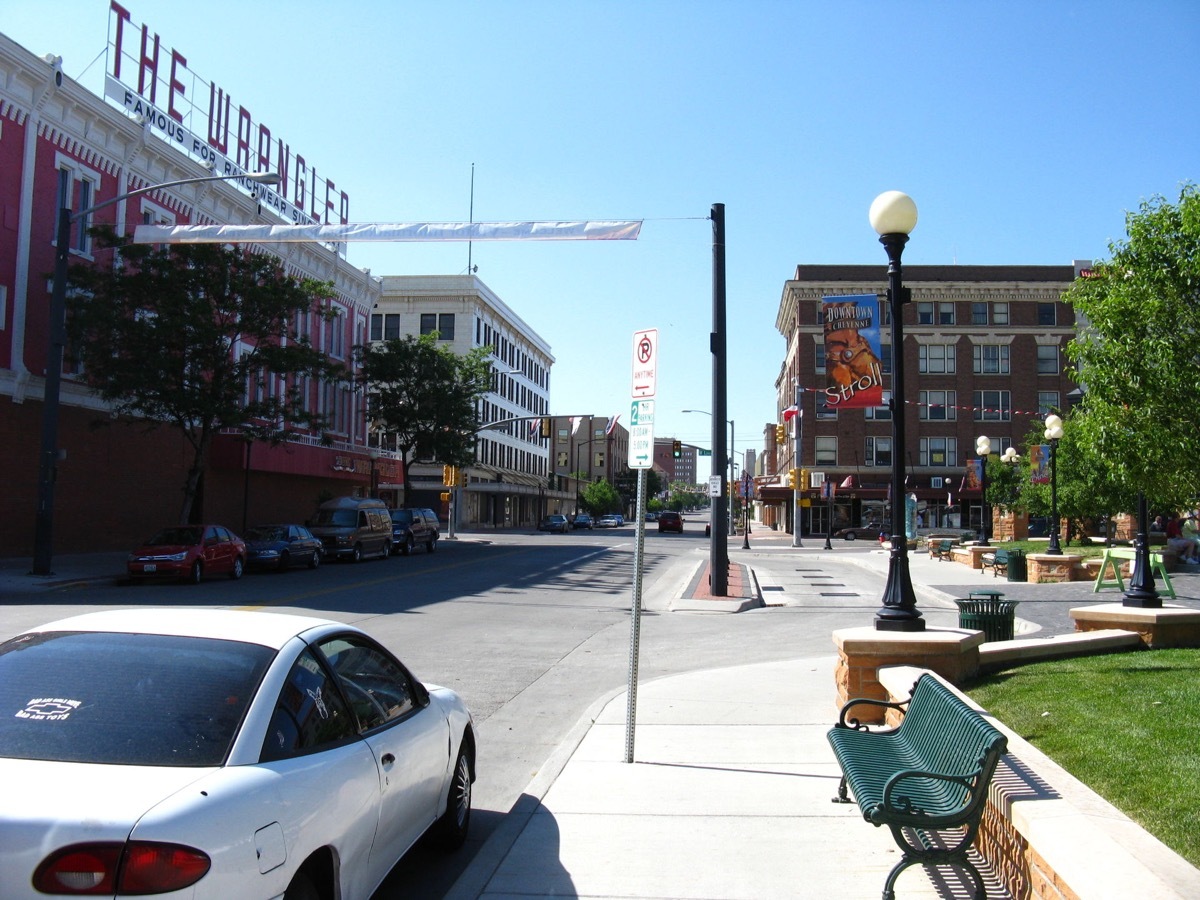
point(320, 701)
point(48, 709)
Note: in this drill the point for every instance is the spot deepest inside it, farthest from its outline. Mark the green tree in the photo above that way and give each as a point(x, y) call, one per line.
point(1137, 354)
point(600, 498)
point(189, 337)
point(425, 395)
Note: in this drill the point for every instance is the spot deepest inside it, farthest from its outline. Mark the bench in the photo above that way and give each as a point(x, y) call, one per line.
point(942, 550)
point(997, 562)
point(926, 779)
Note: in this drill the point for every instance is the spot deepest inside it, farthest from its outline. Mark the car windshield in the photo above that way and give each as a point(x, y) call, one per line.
point(170, 537)
point(336, 518)
point(267, 533)
point(125, 699)
point(401, 517)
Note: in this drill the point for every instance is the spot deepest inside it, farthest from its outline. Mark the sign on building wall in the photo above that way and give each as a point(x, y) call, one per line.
point(854, 373)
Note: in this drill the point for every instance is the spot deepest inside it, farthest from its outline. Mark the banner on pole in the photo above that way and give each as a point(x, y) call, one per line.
point(854, 373)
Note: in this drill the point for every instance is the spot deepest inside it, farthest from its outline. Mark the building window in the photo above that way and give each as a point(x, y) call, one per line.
point(999, 313)
point(939, 451)
point(991, 359)
point(938, 406)
point(826, 452)
point(1048, 402)
point(992, 406)
point(879, 451)
point(979, 313)
point(822, 405)
point(881, 413)
point(77, 188)
point(428, 323)
point(819, 362)
point(1047, 313)
point(1047, 359)
point(446, 327)
point(885, 358)
point(935, 313)
point(935, 359)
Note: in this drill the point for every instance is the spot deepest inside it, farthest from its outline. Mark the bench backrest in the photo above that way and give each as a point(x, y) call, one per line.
point(949, 735)
point(1001, 556)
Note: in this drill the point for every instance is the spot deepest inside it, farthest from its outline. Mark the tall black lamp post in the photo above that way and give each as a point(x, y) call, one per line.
point(1142, 591)
point(1054, 432)
point(983, 448)
point(43, 534)
point(893, 215)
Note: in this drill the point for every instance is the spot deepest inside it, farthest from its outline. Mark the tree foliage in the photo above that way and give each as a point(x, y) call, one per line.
point(425, 395)
point(1137, 355)
point(196, 337)
point(601, 498)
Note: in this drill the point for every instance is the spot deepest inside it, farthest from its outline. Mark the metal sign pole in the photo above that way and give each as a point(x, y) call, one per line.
point(635, 619)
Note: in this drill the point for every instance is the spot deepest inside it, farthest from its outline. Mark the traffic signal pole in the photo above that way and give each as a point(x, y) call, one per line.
point(719, 547)
point(797, 488)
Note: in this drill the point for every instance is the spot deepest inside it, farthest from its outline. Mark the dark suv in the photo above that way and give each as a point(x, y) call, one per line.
point(414, 526)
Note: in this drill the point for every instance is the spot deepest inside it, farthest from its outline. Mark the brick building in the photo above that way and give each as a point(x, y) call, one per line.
point(984, 355)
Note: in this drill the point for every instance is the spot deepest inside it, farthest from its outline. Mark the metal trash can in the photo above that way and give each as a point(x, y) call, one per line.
point(993, 616)
point(1018, 566)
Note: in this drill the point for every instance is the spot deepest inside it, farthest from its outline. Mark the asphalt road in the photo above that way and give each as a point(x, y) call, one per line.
point(532, 629)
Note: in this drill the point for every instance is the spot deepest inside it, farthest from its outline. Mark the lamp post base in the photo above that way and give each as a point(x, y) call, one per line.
point(899, 611)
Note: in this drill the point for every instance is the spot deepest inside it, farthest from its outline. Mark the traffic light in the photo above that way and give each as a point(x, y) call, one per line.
point(460, 477)
point(791, 478)
point(445, 496)
point(804, 479)
point(676, 449)
point(447, 475)
point(780, 434)
point(547, 427)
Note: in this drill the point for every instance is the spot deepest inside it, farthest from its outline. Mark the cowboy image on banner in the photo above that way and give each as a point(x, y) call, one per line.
point(852, 352)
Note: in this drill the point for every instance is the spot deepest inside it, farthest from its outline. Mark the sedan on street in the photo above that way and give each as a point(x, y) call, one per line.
point(555, 523)
point(866, 532)
point(188, 552)
point(282, 546)
point(608, 522)
point(209, 753)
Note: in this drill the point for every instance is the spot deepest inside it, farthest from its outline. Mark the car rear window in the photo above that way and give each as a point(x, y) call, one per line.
point(125, 699)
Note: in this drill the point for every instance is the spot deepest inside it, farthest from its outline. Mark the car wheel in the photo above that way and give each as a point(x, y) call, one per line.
point(197, 573)
point(301, 888)
point(432, 544)
point(408, 544)
point(316, 559)
point(851, 536)
point(285, 560)
point(454, 824)
point(356, 554)
point(238, 567)
point(387, 549)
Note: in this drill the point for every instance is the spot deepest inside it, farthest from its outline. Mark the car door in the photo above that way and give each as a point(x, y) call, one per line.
point(408, 736)
point(214, 551)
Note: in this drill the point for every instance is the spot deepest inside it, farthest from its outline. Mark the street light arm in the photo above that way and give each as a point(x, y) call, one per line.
point(256, 177)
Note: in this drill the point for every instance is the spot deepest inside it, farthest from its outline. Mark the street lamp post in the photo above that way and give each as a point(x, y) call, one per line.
point(1054, 432)
point(893, 215)
point(713, 507)
point(983, 447)
point(1142, 592)
point(43, 534)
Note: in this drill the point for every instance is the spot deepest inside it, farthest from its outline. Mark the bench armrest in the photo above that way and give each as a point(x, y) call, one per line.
point(900, 810)
point(845, 721)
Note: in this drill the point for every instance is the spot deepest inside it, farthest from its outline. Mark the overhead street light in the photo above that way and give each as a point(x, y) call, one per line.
point(893, 215)
point(43, 535)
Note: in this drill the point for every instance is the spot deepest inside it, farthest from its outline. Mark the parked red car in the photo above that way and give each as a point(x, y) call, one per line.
point(189, 552)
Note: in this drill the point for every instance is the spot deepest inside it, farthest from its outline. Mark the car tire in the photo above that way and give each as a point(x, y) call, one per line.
point(431, 545)
point(452, 827)
point(316, 559)
point(301, 888)
point(284, 561)
point(852, 536)
point(408, 545)
point(196, 574)
point(356, 553)
point(239, 566)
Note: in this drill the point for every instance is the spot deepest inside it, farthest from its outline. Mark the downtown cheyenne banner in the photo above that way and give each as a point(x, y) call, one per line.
point(854, 374)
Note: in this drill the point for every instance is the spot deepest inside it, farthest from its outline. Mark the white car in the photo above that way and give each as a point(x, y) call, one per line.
point(207, 753)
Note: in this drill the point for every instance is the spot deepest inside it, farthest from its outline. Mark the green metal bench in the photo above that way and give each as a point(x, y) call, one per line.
point(942, 550)
point(997, 562)
point(926, 779)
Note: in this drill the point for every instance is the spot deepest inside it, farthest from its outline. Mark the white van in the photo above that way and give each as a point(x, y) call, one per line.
point(353, 528)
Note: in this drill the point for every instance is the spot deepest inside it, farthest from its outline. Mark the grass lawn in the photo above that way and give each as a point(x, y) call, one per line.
point(1125, 724)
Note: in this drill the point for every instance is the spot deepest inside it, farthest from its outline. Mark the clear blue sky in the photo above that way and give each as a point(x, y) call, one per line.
point(1024, 131)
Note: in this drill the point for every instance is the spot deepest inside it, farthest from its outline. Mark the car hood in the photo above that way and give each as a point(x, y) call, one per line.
point(48, 805)
point(264, 545)
point(162, 550)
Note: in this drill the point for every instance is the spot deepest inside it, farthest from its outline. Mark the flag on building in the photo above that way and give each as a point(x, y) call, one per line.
point(534, 425)
point(612, 423)
point(791, 412)
point(576, 421)
point(848, 482)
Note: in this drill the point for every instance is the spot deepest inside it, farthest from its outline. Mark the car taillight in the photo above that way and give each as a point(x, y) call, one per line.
point(135, 867)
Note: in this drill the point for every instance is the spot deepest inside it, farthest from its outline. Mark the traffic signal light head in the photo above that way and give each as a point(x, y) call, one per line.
point(791, 478)
point(780, 434)
point(676, 449)
point(447, 475)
